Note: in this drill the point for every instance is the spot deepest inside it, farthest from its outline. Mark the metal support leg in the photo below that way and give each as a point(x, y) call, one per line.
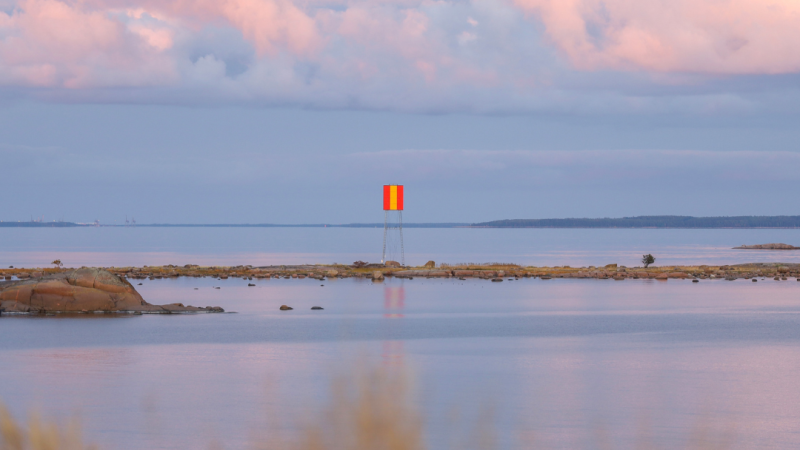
point(385, 228)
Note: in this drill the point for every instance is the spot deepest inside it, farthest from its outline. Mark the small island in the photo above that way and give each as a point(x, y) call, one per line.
point(767, 247)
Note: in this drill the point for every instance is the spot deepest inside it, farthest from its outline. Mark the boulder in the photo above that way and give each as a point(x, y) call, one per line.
point(391, 264)
point(439, 273)
point(430, 265)
point(662, 276)
point(610, 266)
point(286, 308)
point(333, 273)
point(377, 276)
point(678, 275)
point(316, 308)
point(81, 290)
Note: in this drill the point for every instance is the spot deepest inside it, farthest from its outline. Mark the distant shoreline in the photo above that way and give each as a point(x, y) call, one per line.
point(638, 222)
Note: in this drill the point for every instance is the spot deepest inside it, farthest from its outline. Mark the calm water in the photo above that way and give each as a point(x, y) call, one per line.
point(260, 246)
point(561, 363)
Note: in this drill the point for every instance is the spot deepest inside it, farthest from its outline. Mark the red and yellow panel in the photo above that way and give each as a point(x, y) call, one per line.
point(393, 197)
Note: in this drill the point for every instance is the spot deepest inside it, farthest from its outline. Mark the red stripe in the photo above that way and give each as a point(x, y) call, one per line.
point(386, 196)
point(400, 197)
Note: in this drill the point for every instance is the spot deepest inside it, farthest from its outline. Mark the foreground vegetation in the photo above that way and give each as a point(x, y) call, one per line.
point(369, 409)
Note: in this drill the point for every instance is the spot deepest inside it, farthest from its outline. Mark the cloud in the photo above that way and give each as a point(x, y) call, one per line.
point(48, 43)
point(702, 36)
point(480, 56)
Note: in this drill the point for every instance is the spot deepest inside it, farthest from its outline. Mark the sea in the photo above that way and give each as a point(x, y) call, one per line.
point(541, 364)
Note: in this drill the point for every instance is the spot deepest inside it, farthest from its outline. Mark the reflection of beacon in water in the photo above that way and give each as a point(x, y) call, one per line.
point(393, 224)
point(394, 300)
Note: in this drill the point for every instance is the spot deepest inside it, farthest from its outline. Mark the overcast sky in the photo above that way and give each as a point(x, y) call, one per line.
point(279, 111)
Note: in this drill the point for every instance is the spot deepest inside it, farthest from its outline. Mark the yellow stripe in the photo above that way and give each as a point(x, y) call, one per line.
point(393, 197)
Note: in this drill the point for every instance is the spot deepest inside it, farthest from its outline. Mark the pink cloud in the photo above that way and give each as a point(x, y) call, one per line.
point(402, 35)
point(50, 43)
point(396, 54)
point(268, 25)
point(704, 36)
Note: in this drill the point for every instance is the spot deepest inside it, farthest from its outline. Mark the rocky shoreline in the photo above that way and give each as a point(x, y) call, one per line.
point(378, 272)
point(80, 291)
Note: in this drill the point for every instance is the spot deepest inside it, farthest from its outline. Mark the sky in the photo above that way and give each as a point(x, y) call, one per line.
point(280, 111)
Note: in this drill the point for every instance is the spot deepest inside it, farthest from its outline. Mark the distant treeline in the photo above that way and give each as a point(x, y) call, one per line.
point(652, 222)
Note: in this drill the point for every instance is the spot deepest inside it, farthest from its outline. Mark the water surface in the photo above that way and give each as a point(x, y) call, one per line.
point(561, 363)
point(125, 246)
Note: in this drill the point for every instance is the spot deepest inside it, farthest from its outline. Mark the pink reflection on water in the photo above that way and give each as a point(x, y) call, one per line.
point(394, 300)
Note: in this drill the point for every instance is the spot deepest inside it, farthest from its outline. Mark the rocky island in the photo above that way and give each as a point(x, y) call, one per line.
point(86, 290)
point(108, 289)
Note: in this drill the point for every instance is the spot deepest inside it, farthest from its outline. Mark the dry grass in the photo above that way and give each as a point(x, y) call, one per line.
point(370, 409)
point(39, 435)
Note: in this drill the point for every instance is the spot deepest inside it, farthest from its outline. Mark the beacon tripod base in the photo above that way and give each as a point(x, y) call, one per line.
point(387, 229)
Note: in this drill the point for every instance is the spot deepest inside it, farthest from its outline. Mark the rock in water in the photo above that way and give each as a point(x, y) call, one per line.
point(286, 308)
point(315, 308)
point(377, 276)
point(81, 290)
